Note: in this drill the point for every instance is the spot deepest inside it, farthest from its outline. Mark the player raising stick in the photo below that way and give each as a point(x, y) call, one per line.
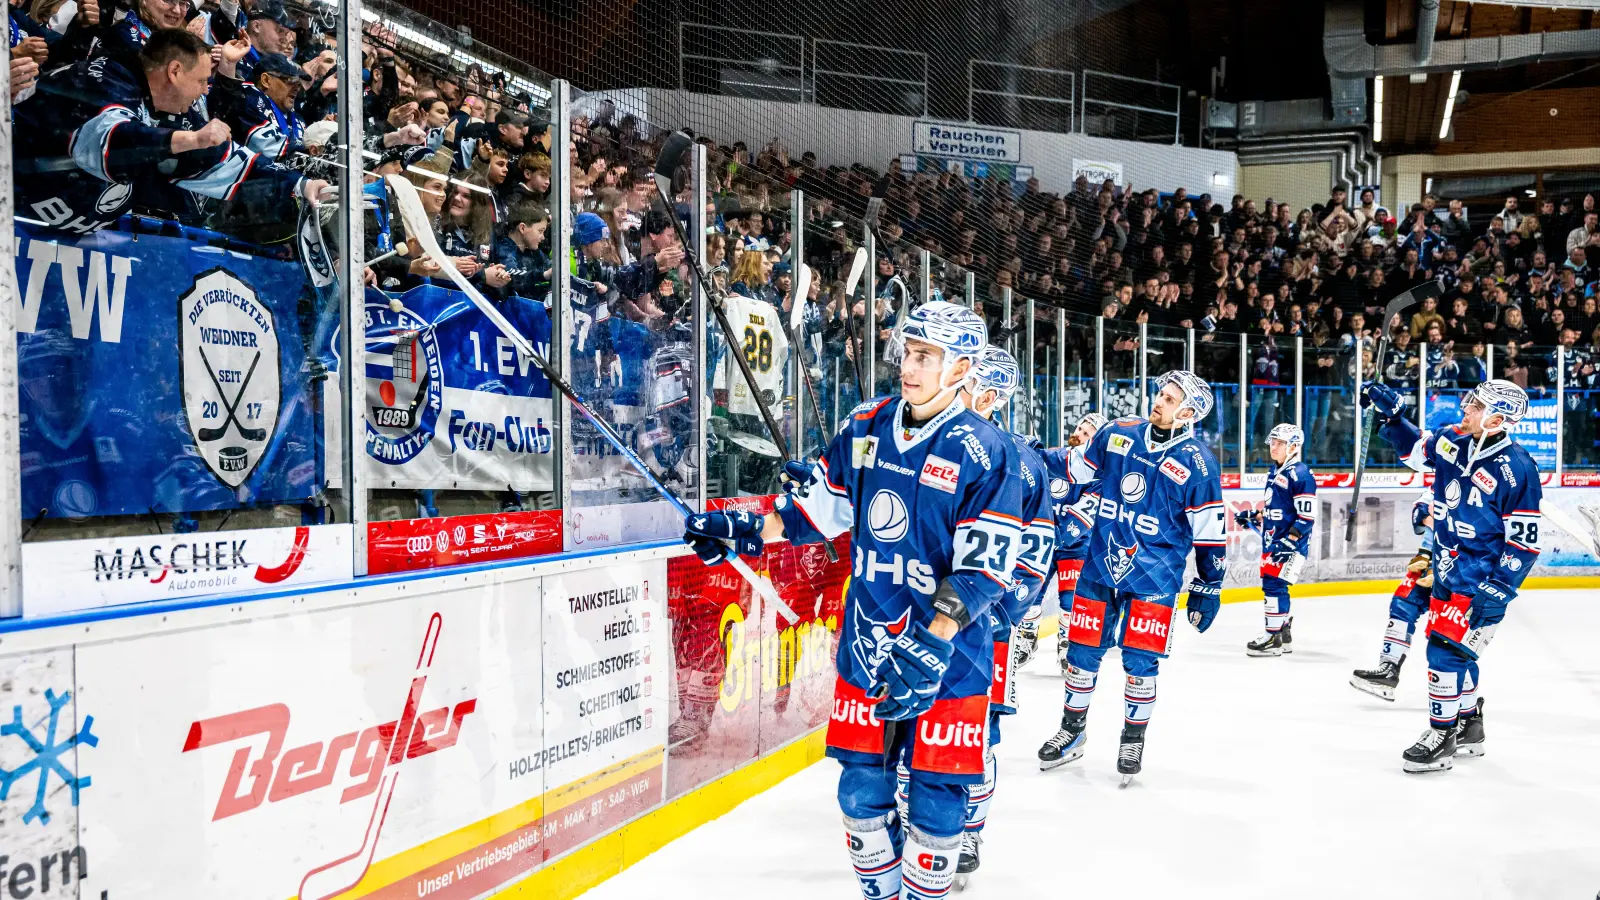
point(1286, 522)
point(1486, 537)
point(937, 522)
point(1073, 522)
point(1160, 494)
point(993, 381)
point(1405, 608)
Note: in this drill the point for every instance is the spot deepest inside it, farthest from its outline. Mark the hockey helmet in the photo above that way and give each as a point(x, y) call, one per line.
point(956, 330)
point(1196, 393)
point(1093, 420)
point(1290, 434)
point(996, 371)
point(1499, 397)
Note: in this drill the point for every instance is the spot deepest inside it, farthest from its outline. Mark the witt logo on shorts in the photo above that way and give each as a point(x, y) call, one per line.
point(940, 473)
point(853, 724)
point(952, 736)
point(1087, 625)
point(229, 360)
point(1450, 618)
point(1149, 627)
point(1067, 572)
point(405, 383)
point(999, 687)
point(375, 755)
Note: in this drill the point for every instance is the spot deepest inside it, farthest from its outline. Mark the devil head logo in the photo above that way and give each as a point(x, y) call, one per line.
point(1119, 558)
point(874, 638)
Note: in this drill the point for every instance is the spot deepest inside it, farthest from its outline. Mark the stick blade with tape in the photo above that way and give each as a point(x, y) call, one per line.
point(802, 290)
point(858, 266)
point(669, 159)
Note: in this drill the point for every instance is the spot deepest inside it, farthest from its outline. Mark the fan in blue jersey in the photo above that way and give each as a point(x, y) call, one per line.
point(1074, 508)
point(1160, 494)
point(1486, 538)
point(1289, 512)
point(936, 524)
point(1405, 608)
point(990, 387)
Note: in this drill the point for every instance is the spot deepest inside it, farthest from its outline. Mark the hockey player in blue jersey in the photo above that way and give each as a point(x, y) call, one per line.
point(993, 381)
point(1074, 518)
point(1405, 608)
point(937, 522)
point(1289, 512)
point(1486, 497)
point(1160, 494)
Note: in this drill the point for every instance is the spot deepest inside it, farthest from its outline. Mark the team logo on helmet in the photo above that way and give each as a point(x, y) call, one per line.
point(1289, 433)
point(231, 373)
point(1196, 393)
point(874, 638)
point(1119, 558)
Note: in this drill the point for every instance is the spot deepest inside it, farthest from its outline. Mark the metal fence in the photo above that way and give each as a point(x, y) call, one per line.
point(1018, 96)
point(1134, 109)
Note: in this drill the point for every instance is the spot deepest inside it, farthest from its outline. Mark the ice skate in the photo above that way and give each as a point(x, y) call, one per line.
point(1266, 645)
point(970, 841)
point(1433, 752)
point(1130, 754)
point(1062, 644)
point(1287, 635)
point(1469, 733)
point(1067, 745)
point(1380, 682)
point(1025, 644)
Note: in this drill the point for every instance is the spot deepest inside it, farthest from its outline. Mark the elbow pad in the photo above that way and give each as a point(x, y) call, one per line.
point(948, 602)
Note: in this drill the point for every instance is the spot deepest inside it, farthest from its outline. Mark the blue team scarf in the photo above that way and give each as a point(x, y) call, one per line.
point(289, 124)
point(16, 33)
point(132, 30)
point(379, 194)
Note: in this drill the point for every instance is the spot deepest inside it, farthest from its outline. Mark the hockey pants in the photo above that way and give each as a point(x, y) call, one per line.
point(1141, 626)
point(1456, 638)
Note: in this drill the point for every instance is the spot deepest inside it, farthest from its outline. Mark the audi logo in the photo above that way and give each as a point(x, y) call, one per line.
point(419, 544)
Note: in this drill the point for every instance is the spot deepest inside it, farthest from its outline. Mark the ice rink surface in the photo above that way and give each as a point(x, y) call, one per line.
point(1262, 778)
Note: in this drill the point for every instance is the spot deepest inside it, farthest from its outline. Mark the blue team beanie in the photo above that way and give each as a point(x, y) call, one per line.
point(589, 228)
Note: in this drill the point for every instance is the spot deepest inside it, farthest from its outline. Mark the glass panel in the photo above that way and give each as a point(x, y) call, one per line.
point(1329, 415)
point(1534, 367)
point(1217, 361)
point(458, 421)
point(1271, 394)
point(830, 244)
point(1121, 376)
point(630, 339)
point(1166, 349)
point(1077, 368)
point(176, 348)
point(1578, 431)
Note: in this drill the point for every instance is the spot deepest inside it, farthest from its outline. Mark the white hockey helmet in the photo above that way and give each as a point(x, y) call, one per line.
point(1499, 397)
point(1094, 420)
point(1196, 393)
point(1290, 434)
point(956, 330)
point(996, 371)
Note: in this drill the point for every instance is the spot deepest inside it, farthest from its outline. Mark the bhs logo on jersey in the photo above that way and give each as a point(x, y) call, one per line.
point(874, 638)
point(914, 573)
point(1142, 523)
point(1119, 559)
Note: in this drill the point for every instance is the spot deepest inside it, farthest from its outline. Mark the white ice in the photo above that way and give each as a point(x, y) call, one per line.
point(1263, 778)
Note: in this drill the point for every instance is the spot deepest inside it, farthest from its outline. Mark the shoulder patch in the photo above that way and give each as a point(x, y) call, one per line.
point(1446, 448)
point(1484, 481)
point(1175, 470)
point(1128, 420)
point(863, 452)
point(1120, 444)
point(870, 408)
point(1505, 472)
point(940, 473)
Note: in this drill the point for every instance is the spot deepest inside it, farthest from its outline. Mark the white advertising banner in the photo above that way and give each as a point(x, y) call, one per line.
point(963, 141)
point(303, 755)
point(1097, 171)
point(64, 576)
point(605, 652)
point(44, 747)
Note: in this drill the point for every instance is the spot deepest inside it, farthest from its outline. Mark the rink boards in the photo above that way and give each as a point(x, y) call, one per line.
point(463, 731)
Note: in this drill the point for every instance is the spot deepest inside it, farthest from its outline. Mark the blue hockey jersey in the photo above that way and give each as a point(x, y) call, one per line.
point(940, 503)
point(1290, 504)
point(1073, 504)
point(1485, 506)
point(1156, 501)
point(1034, 561)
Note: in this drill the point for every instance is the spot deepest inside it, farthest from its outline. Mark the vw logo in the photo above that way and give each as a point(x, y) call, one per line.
point(1132, 487)
point(441, 541)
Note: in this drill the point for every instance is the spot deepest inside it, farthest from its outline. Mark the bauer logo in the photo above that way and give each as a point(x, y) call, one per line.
point(230, 371)
point(940, 473)
point(887, 517)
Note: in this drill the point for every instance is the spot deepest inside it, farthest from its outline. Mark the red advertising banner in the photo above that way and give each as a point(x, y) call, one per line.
point(747, 680)
point(410, 544)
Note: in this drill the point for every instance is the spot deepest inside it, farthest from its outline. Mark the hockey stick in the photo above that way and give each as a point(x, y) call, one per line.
point(858, 265)
point(1559, 518)
point(416, 221)
point(672, 151)
point(802, 288)
point(249, 434)
point(1394, 308)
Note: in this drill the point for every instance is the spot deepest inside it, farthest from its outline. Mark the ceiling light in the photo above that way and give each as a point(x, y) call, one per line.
point(1450, 103)
point(1377, 109)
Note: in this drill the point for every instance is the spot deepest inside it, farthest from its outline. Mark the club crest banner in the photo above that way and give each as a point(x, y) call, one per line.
point(159, 374)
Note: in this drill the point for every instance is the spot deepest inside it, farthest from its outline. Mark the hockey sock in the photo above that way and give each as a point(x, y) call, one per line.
point(1140, 694)
point(1444, 697)
point(1469, 693)
point(929, 865)
point(1277, 606)
point(979, 795)
point(874, 854)
point(902, 790)
point(1080, 688)
point(1396, 641)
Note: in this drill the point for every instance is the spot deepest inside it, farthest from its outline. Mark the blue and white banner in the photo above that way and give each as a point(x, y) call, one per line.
point(160, 375)
point(451, 405)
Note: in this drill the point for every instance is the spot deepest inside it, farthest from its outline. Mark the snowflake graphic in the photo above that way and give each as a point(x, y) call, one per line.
point(47, 756)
